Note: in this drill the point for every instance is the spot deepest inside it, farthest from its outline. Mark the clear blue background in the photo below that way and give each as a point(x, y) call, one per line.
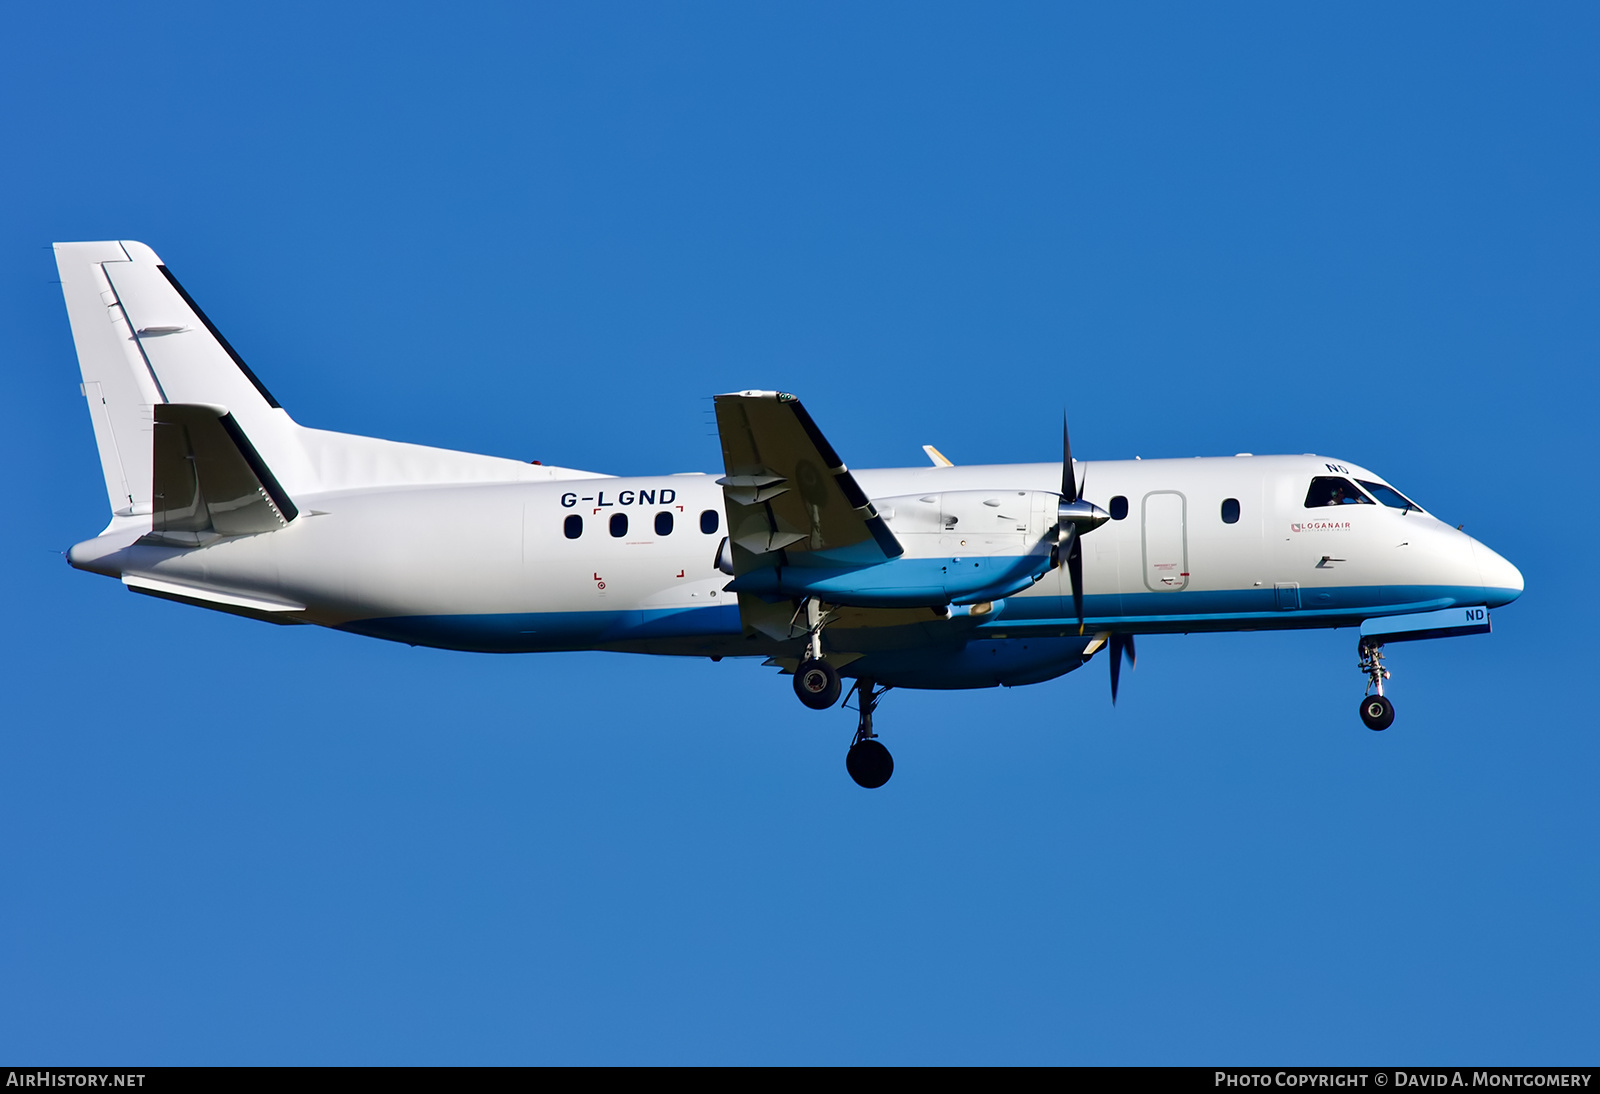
point(552, 234)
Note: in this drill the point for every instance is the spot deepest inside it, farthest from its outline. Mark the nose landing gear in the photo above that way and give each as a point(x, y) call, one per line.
point(1377, 713)
point(868, 762)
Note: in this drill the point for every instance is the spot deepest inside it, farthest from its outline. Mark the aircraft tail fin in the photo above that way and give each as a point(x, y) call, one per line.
point(144, 343)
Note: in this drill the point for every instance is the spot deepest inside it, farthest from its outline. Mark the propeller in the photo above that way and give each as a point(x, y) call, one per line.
point(1074, 519)
point(1121, 646)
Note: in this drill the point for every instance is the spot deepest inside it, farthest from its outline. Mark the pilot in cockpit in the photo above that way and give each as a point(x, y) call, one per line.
point(1327, 490)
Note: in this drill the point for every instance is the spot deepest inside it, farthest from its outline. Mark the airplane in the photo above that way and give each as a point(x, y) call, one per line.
point(938, 577)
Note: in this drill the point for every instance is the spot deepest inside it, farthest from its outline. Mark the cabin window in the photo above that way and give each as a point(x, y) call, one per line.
point(619, 525)
point(574, 526)
point(709, 522)
point(663, 524)
point(1388, 495)
point(1332, 490)
point(1119, 508)
point(1230, 510)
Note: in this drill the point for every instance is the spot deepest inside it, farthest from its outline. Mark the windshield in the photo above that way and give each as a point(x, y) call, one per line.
point(1331, 490)
point(1389, 496)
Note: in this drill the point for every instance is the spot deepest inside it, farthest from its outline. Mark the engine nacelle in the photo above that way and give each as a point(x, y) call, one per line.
point(975, 522)
point(961, 547)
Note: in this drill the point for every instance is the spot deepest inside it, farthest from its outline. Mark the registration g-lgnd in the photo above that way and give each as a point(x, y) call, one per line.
point(926, 577)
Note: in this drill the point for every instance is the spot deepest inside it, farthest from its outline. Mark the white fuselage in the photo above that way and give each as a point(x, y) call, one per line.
point(496, 566)
point(915, 577)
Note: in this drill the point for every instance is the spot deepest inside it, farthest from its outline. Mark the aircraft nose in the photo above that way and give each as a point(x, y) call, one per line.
point(1502, 582)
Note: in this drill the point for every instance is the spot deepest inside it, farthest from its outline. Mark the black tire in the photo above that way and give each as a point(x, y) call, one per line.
point(869, 764)
point(817, 684)
point(1377, 713)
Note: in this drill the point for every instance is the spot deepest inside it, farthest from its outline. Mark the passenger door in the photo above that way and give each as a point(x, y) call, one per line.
point(1166, 541)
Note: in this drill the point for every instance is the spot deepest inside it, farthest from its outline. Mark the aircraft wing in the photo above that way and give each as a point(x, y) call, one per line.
point(790, 499)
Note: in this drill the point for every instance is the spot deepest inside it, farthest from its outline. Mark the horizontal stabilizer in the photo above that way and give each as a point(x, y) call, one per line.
point(240, 603)
point(208, 477)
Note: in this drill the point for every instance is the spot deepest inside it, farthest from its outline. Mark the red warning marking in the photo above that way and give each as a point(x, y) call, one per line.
point(680, 573)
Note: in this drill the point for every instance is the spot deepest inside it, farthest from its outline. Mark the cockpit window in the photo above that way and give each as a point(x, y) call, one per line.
point(1389, 496)
point(1332, 490)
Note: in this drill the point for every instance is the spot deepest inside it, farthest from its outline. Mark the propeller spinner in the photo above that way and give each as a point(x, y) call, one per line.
point(1075, 518)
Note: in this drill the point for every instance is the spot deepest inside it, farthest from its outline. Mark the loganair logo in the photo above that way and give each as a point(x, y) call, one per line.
point(1320, 526)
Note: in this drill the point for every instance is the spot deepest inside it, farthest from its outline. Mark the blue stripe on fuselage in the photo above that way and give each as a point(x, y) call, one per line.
point(1232, 609)
point(1235, 609)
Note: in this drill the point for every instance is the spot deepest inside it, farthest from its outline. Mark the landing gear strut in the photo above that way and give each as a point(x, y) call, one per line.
point(868, 762)
point(1376, 711)
point(817, 684)
point(815, 681)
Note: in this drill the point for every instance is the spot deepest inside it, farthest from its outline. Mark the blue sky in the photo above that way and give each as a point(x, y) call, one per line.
point(553, 233)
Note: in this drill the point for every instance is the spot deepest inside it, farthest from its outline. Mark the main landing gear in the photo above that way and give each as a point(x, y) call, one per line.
point(816, 682)
point(1376, 711)
point(868, 762)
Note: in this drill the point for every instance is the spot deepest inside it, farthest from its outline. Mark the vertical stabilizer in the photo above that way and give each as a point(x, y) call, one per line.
point(117, 383)
point(142, 342)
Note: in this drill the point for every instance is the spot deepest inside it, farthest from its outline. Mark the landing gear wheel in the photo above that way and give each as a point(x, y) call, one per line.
point(869, 764)
point(1377, 712)
point(817, 684)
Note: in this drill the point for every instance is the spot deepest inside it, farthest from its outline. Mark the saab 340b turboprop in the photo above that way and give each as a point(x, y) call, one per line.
point(926, 577)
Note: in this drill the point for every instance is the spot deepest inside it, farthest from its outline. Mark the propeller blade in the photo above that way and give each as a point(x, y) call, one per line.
point(1075, 573)
point(1065, 533)
point(1074, 518)
point(1069, 485)
point(1121, 646)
